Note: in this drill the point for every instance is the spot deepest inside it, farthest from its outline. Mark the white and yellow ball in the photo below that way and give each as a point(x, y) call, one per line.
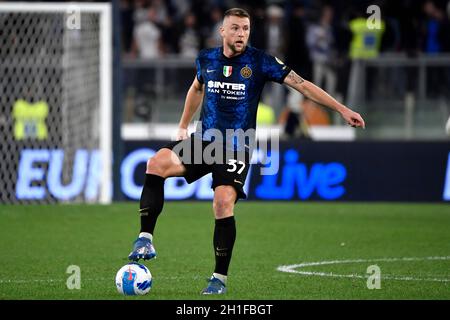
point(134, 279)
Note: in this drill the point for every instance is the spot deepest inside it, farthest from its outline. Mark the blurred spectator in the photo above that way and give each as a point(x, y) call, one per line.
point(126, 11)
point(214, 38)
point(365, 42)
point(202, 10)
point(298, 59)
point(314, 115)
point(181, 8)
point(435, 29)
point(297, 56)
point(162, 16)
point(189, 43)
point(275, 31)
point(292, 118)
point(265, 114)
point(407, 13)
point(447, 126)
point(436, 40)
point(140, 14)
point(147, 37)
point(447, 28)
point(257, 33)
point(164, 19)
point(320, 42)
point(448, 10)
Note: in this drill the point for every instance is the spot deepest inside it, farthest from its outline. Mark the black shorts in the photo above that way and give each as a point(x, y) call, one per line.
point(229, 169)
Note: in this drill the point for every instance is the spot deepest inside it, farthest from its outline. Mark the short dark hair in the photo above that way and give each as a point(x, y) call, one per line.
point(238, 12)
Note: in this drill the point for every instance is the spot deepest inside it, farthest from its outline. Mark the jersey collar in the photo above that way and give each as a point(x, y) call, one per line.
point(235, 57)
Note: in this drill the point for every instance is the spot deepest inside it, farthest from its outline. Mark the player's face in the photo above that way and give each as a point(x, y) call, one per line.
point(235, 32)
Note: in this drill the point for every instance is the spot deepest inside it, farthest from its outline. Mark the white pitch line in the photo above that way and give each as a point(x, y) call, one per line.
point(291, 268)
point(18, 281)
point(44, 280)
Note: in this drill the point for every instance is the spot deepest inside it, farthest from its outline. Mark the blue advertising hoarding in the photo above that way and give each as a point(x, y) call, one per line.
point(317, 171)
point(321, 171)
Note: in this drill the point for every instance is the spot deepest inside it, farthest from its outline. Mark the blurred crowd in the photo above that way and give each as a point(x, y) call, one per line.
point(319, 39)
point(298, 31)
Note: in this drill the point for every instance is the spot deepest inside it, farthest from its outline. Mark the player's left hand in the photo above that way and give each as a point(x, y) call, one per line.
point(353, 119)
point(182, 134)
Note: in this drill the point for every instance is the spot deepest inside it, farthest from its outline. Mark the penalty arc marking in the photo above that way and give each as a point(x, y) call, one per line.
point(293, 268)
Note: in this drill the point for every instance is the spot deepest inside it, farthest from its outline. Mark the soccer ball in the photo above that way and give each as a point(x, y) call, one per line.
point(133, 279)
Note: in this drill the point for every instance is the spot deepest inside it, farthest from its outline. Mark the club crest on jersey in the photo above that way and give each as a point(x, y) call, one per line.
point(227, 70)
point(246, 72)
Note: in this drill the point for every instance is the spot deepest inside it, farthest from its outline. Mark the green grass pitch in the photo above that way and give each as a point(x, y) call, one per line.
point(38, 243)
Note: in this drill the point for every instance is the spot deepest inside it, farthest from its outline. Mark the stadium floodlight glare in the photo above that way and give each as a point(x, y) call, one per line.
point(56, 94)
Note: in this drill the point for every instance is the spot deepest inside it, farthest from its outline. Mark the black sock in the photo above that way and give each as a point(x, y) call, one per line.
point(152, 201)
point(224, 236)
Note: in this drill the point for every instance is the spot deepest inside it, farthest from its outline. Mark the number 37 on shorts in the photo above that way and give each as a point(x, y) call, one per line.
point(236, 165)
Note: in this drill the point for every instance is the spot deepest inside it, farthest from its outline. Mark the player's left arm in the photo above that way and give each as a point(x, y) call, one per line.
point(316, 94)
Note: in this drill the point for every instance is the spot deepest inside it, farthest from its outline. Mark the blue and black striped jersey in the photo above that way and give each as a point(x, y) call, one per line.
point(233, 88)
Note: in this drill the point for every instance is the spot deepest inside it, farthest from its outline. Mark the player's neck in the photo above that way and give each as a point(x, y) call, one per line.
point(229, 53)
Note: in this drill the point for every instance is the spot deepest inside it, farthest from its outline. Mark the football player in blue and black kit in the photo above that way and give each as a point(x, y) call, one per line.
point(228, 84)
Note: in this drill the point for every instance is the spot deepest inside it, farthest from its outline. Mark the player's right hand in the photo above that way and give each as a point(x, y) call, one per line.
point(181, 134)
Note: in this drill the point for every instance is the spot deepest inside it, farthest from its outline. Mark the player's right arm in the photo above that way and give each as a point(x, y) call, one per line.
point(193, 100)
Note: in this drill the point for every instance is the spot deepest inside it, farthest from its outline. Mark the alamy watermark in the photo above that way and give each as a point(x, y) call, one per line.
point(235, 147)
point(374, 280)
point(73, 18)
point(74, 280)
point(374, 20)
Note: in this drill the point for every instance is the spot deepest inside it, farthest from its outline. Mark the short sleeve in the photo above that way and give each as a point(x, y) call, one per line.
point(199, 71)
point(274, 69)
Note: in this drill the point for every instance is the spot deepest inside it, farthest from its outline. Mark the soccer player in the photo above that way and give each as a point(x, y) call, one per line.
point(228, 84)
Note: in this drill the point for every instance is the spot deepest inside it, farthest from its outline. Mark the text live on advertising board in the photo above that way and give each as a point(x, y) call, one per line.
point(318, 171)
